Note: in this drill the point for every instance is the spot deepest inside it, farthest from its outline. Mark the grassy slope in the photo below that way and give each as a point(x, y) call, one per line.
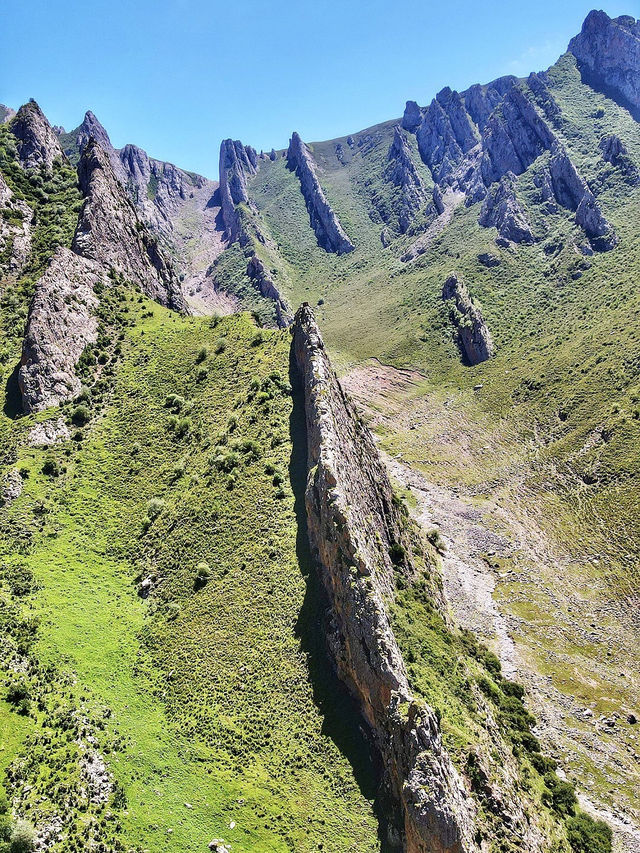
point(565, 325)
point(209, 689)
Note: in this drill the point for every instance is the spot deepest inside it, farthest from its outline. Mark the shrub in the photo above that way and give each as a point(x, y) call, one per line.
point(561, 796)
point(203, 352)
point(220, 346)
point(436, 540)
point(257, 339)
point(587, 835)
point(23, 837)
point(154, 508)
point(174, 402)
point(201, 374)
point(51, 468)
point(397, 552)
point(492, 663)
point(81, 415)
point(203, 574)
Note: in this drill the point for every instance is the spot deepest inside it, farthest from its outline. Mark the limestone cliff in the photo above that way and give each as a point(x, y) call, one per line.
point(37, 142)
point(237, 163)
point(472, 332)
point(329, 232)
point(354, 529)
point(402, 173)
point(257, 272)
point(608, 54)
point(502, 210)
point(110, 232)
point(60, 324)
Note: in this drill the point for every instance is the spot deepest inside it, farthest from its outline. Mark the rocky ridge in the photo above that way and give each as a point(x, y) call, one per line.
point(608, 54)
point(402, 173)
point(15, 230)
point(61, 323)
point(472, 332)
point(37, 144)
point(237, 163)
point(329, 232)
point(110, 232)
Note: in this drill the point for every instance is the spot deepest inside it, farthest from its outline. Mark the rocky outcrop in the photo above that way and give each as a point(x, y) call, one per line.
point(355, 528)
point(445, 134)
point(571, 191)
point(328, 230)
point(614, 151)
point(402, 173)
point(265, 285)
point(502, 210)
point(412, 116)
point(472, 333)
point(37, 144)
point(237, 163)
point(6, 113)
point(480, 101)
point(92, 129)
point(607, 51)
point(110, 232)
point(60, 324)
point(15, 230)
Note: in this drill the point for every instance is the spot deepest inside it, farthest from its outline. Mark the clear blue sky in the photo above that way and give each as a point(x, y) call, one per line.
point(177, 76)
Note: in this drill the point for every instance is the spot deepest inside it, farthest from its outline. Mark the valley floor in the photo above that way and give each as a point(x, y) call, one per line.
point(545, 610)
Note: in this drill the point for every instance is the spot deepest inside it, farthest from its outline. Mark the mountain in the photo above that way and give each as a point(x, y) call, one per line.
point(319, 492)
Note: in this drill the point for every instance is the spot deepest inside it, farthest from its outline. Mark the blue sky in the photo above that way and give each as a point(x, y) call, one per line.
point(177, 76)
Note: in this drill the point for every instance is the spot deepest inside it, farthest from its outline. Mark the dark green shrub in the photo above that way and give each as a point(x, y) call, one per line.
point(23, 837)
point(587, 835)
point(51, 467)
point(560, 795)
point(81, 415)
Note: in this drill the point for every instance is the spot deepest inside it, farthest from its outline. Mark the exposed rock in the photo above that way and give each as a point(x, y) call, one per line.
point(514, 137)
point(60, 324)
point(258, 274)
point(472, 332)
point(538, 85)
point(328, 230)
point(15, 230)
point(401, 172)
point(354, 526)
point(110, 232)
point(480, 101)
point(438, 202)
point(47, 433)
point(272, 155)
point(571, 192)
point(489, 260)
point(607, 51)
point(11, 486)
point(446, 134)
point(502, 209)
point(37, 144)
point(614, 151)
point(6, 114)
point(92, 129)
point(237, 163)
point(412, 116)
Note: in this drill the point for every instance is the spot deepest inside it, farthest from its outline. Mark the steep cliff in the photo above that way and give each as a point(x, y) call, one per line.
point(355, 529)
point(472, 332)
point(60, 324)
point(36, 141)
point(502, 209)
point(15, 230)
point(329, 232)
point(110, 232)
point(402, 173)
point(257, 272)
point(237, 163)
point(608, 54)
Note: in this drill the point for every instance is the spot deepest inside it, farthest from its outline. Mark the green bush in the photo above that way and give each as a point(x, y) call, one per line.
point(81, 415)
point(23, 837)
point(203, 352)
point(561, 796)
point(154, 508)
point(587, 835)
point(51, 467)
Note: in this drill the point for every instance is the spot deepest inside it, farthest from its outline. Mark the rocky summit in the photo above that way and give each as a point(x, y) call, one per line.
point(320, 479)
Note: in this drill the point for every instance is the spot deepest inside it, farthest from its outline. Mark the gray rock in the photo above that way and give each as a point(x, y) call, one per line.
point(607, 51)
point(502, 210)
point(60, 324)
point(110, 232)
point(438, 203)
point(11, 486)
point(412, 116)
point(446, 134)
point(237, 163)
point(37, 144)
point(614, 151)
point(402, 173)
point(264, 283)
point(480, 101)
point(473, 336)
point(47, 433)
point(489, 260)
point(328, 230)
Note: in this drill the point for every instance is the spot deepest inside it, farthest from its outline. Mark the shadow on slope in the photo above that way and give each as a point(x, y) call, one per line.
point(343, 722)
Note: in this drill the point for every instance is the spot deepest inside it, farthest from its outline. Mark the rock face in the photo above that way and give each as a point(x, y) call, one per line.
point(258, 274)
point(445, 134)
point(15, 230)
point(502, 210)
point(354, 527)
point(614, 151)
point(608, 54)
point(237, 163)
point(402, 172)
point(472, 332)
point(110, 232)
point(6, 113)
point(37, 143)
point(329, 233)
point(412, 116)
point(60, 324)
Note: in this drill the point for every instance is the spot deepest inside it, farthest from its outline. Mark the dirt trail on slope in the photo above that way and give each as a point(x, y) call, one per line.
point(552, 624)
